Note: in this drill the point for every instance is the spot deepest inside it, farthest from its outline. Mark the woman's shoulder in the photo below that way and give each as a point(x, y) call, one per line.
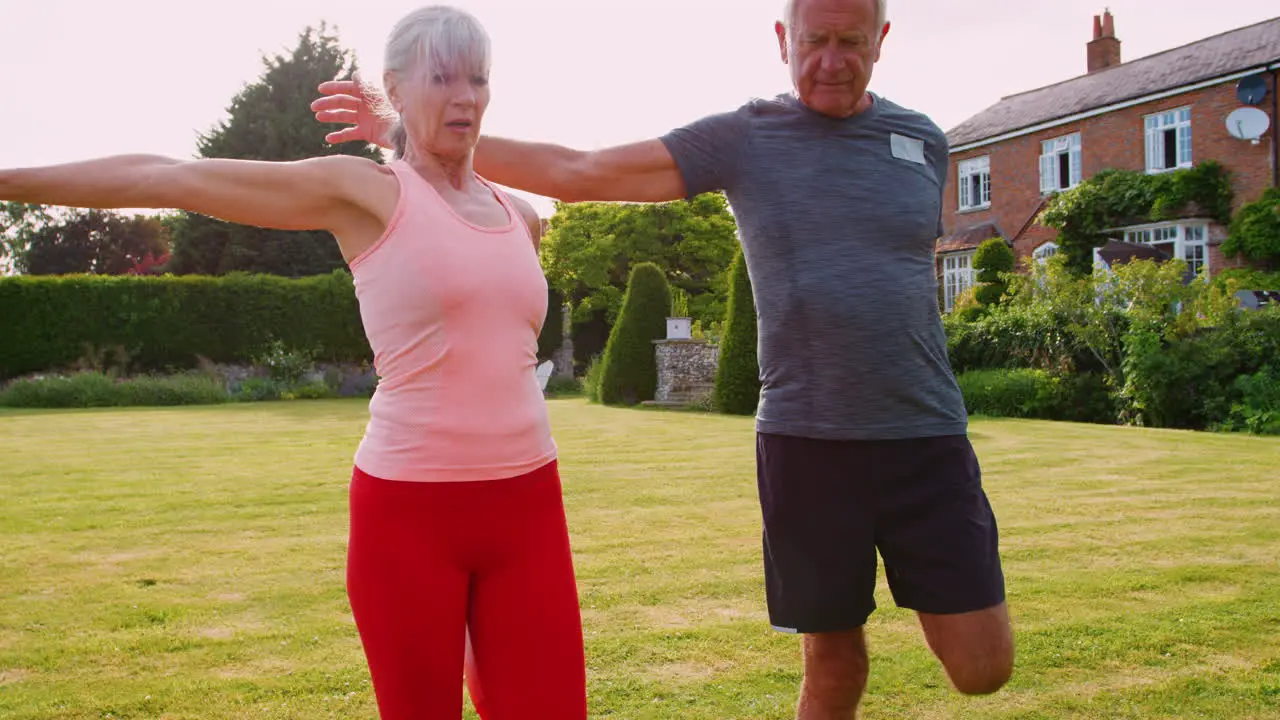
point(529, 216)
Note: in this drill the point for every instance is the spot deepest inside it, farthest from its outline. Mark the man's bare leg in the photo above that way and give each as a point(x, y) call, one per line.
point(976, 648)
point(835, 675)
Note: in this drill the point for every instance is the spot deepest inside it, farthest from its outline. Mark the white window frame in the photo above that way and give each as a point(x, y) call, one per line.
point(974, 182)
point(1188, 240)
point(1051, 156)
point(1045, 251)
point(957, 276)
point(1156, 126)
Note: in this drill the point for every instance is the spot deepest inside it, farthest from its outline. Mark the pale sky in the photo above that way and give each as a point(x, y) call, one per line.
point(89, 78)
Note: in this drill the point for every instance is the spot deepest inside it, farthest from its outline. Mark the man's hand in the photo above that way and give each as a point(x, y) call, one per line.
point(347, 101)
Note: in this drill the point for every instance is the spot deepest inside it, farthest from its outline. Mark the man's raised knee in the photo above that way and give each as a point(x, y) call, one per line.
point(983, 680)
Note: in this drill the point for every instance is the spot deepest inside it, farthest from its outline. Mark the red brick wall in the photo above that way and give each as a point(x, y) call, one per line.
point(1114, 140)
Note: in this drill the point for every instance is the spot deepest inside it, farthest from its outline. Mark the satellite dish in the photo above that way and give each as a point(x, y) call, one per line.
point(1248, 123)
point(1251, 90)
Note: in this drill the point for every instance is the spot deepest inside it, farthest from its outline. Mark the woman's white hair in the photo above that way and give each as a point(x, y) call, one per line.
point(436, 39)
point(789, 13)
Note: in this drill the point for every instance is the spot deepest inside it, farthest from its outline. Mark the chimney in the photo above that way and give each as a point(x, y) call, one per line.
point(1104, 49)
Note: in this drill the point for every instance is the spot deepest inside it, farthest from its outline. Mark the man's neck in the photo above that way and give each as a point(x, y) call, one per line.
point(865, 103)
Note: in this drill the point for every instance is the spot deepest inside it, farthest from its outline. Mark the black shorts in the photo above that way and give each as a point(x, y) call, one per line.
point(828, 505)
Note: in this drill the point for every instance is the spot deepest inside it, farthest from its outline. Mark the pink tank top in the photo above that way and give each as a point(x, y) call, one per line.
point(452, 311)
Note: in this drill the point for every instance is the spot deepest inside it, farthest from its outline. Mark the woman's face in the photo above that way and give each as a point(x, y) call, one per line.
point(442, 109)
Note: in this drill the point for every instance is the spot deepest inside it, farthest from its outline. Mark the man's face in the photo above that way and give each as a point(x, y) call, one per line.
point(831, 48)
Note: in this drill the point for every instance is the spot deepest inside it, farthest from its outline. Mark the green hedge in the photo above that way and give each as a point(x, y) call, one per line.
point(168, 323)
point(1036, 394)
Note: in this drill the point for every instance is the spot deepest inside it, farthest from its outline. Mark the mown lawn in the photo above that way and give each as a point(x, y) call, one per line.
point(188, 563)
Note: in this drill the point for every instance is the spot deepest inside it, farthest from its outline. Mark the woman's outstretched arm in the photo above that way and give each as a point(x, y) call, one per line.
point(315, 194)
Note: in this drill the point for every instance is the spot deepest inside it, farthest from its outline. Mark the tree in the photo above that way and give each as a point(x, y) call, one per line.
point(271, 119)
point(630, 371)
point(590, 249)
point(737, 388)
point(19, 223)
point(63, 241)
point(992, 260)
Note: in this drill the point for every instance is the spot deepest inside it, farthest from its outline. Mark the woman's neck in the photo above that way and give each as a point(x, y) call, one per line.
point(457, 172)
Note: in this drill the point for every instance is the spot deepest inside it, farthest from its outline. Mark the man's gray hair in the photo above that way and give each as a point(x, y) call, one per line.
point(433, 39)
point(789, 13)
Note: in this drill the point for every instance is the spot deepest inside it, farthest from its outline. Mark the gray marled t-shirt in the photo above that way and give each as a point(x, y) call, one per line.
point(838, 219)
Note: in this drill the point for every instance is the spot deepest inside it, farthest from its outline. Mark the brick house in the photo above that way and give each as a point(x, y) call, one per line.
point(1157, 113)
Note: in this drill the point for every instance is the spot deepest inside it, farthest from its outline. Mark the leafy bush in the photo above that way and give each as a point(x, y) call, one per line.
point(1188, 380)
point(1017, 336)
point(591, 380)
point(1036, 394)
point(1136, 345)
point(630, 373)
point(285, 366)
point(260, 389)
point(94, 389)
point(1258, 408)
point(315, 390)
point(1255, 230)
point(1009, 393)
point(737, 386)
point(561, 386)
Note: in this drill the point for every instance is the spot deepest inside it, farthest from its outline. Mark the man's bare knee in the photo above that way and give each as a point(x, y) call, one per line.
point(835, 675)
point(975, 648)
point(982, 677)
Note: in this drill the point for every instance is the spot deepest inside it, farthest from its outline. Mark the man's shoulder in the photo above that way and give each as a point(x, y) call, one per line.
point(891, 113)
point(772, 107)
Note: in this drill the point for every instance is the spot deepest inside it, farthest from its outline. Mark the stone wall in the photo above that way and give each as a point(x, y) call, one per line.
point(686, 370)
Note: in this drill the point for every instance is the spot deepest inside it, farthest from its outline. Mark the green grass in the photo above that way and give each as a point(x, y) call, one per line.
point(188, 563)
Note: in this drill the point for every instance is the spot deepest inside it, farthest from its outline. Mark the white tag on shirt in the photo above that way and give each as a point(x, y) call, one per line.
point(907, 148)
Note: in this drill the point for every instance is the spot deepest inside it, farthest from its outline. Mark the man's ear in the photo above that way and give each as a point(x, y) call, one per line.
point(781, 31)
point(884, 32)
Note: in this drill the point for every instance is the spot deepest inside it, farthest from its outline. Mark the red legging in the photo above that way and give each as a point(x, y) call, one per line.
point(427, 561)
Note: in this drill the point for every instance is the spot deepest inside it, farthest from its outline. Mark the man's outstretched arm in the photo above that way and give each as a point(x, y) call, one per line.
point(639, 172)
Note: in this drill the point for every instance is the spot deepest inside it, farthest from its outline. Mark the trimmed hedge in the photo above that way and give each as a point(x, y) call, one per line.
point(992, 258)
point(630, 372)
point(737, 389)
point(168, 323)
point(1036, 394)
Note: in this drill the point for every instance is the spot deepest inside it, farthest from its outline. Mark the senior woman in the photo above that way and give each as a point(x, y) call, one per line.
point(457, 519)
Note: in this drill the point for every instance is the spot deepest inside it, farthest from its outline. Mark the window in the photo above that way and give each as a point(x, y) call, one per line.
point(1060, 163)
point(957, 276)
point(975, 183)
point(1168, 140)
point(1188, 241)
point(1045, 251)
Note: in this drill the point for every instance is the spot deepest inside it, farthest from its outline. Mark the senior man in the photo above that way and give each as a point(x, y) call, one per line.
point(861, 428)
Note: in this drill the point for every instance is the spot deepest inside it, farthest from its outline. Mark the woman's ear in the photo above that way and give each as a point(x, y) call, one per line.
point(393, 91)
